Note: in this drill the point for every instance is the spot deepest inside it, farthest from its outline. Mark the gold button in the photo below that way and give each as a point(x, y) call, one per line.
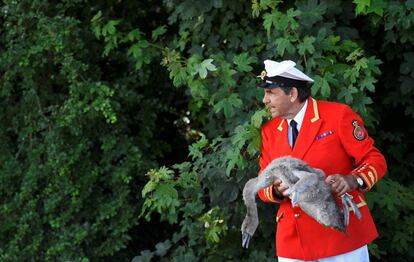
point(296, 215)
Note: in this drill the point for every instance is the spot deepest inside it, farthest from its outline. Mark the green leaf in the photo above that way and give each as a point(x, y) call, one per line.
point(96, 18)
point(226, 73)
point(258, 117)
point(228, 105)
point(162, 248)
point(198, 89)
point(368, 83)
point(240, 136)
point(156, 176)
point(255, 8)
point(361, 64)
point(145, 256)
point(282, 45)
point(159, 31)
point(307, 45)
point(139, 53)
point(316, 86)
point(96, 24)
point(377, 7)
point(266, 4)
point(163, 200)
point(325, 89)
point(291, 14)
point(202, 68)
point(361, 6)
point(214, 225)
point(352, 74)
point(110, 27)
point(347, 94)
point(254, 142)
point(243, 62)
point(270, 20)
point(367, 100)
point(196, 148)
point(133, 35)
point(354, 55)
point(407, 85)
point(321, 85)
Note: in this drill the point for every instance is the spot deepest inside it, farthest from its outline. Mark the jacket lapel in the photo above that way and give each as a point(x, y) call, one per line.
point(282, 146)
point(310, 127)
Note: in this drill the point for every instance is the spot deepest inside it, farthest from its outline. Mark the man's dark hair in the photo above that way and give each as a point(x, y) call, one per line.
point(303, 92)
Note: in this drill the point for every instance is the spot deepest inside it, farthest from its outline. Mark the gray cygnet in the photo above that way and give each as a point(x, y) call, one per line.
point(307, 189)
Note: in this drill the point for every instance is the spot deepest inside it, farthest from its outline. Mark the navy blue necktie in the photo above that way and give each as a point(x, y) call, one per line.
point(295, 131)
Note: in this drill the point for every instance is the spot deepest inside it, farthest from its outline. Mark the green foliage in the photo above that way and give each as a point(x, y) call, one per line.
point(161, 196)
point(101, 99)
point(214, 225)
point(77, 133)
point(344, 70)
point(243, 62)
point(398, 202)
point(368, 6)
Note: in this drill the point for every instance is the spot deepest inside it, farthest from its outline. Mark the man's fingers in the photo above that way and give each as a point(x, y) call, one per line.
point(344, 190)
point(342, 187)
point(277, 182)
point(330, 179)
point(279, 185)
point(285, 193)
point(282, 187)
point(341, 184)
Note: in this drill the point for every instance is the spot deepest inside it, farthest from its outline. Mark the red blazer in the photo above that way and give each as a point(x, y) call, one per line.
point(332, 137)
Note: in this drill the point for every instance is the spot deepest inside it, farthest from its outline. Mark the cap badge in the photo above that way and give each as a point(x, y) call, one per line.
point(359, 132)
point(262, 74)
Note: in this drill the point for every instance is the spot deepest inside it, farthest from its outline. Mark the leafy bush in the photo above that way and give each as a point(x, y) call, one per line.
point(121, 114)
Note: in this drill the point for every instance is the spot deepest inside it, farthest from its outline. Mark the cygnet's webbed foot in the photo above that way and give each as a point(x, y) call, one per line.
point(353, 205)
point(347, 199)
point(246, 239)
point(345, 209)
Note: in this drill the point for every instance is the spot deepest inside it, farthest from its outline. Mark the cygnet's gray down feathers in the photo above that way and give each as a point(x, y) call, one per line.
point(307, 189)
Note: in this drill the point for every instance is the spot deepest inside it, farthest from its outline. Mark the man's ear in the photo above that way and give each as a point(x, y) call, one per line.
point(293, 94)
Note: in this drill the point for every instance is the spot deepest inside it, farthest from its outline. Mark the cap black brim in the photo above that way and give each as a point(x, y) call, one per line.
point(280, 81)
point(267, 85)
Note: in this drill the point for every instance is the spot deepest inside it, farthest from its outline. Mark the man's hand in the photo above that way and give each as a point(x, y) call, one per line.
point(279, 188)
point(341, 184)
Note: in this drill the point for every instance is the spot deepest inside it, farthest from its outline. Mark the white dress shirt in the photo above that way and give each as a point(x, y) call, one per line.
point(298, 119)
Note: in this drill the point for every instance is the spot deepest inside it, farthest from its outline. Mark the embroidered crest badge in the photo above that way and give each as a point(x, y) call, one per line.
point(359, 131)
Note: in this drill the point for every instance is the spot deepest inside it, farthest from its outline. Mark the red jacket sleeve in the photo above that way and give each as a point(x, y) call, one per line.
point(266, 194)
point(370, 163)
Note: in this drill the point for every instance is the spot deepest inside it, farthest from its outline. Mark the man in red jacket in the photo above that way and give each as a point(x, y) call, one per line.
point(328, 136)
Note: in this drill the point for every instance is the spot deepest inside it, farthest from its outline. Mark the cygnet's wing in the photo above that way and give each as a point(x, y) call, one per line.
point(303, 188)
point(314, 197)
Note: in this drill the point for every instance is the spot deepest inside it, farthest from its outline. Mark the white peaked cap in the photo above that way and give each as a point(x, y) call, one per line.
point(285, 69)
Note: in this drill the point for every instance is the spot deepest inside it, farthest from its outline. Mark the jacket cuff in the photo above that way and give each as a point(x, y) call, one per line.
point(270, 196)
point(367, 173)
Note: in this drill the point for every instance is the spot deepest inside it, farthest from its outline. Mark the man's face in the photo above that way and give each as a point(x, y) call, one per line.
point(278, 102)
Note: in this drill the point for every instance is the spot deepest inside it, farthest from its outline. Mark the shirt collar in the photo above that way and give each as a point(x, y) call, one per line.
point(300, 115)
